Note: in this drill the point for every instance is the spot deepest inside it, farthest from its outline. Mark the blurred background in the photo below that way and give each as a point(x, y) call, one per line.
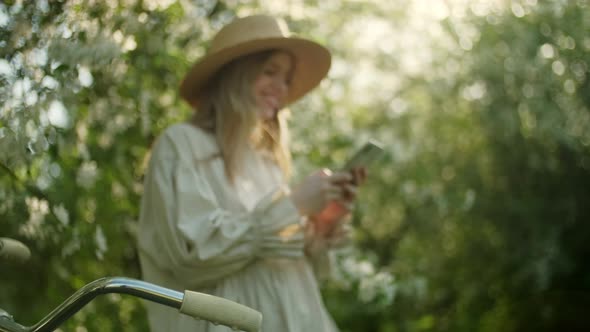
point(477, 220)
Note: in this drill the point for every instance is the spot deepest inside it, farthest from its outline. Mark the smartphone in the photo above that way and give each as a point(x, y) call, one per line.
point(365, 156)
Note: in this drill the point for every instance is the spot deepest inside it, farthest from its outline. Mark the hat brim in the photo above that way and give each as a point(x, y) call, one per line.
point(312, 63)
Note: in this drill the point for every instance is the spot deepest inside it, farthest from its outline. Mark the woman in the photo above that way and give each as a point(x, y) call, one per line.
point(217, 215)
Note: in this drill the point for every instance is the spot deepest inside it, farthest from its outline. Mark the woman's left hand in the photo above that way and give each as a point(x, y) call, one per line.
point(340, 207)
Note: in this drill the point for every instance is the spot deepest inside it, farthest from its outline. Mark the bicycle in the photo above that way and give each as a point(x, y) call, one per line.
point(198, 305)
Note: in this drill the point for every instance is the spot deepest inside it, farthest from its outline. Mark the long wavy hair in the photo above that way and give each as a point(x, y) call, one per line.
point(228, 110)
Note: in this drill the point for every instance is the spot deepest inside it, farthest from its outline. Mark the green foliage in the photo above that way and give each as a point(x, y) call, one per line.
point(476, 220)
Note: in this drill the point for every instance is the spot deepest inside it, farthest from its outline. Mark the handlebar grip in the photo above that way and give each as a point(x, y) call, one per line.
point(13, 250)
point(221, 311)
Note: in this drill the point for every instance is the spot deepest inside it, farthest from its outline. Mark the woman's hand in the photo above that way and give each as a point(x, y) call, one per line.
point(337, 209)
point(319, 189)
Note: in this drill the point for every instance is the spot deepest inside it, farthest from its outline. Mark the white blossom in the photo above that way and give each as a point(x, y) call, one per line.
point(357, 268)
point(380, 284)
point(38, 209)
point(101, 243)
point(62, 214)
point(87, 174)
point(72, 246)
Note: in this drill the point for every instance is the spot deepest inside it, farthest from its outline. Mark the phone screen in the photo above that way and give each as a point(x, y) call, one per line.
point(365, 156)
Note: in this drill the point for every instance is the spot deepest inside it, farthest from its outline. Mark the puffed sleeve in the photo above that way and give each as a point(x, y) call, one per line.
point(185, 231)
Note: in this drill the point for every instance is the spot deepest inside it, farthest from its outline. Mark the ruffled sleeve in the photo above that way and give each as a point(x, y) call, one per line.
point(186, 232)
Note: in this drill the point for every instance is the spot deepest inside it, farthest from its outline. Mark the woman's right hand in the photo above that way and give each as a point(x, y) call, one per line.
point(314, 193)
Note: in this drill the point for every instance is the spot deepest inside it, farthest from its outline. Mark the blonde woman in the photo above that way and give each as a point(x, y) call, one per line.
point(217, 215)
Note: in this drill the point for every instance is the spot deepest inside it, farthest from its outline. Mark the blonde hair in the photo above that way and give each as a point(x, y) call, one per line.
point(228, 110)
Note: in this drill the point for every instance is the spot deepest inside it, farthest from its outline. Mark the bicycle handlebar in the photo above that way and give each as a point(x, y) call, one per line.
point(198, 305)
point(13, 250)
point(219, 310)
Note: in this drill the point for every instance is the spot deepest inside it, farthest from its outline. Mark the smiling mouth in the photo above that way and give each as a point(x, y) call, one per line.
point(272, 103)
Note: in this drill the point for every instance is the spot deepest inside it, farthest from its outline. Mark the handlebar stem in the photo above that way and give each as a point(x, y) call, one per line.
point(85, 294)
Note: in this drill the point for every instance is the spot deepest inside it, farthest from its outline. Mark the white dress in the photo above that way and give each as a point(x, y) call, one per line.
point(243, 242)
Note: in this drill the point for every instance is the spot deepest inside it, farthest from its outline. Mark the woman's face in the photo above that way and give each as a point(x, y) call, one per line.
point(271, 86)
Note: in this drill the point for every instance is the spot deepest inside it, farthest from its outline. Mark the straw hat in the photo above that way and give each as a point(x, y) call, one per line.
point(250, 35)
